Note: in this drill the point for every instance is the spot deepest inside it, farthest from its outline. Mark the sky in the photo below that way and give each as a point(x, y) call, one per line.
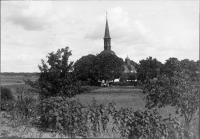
point(160, 29)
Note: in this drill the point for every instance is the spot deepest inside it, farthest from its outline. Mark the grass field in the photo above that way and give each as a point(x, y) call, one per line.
point(126, 98)
point(15, 80)
point(123, 97)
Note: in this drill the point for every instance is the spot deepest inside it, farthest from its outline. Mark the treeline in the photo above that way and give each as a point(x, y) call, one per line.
point(91, 68)
point(151, 68)
point(20, 73)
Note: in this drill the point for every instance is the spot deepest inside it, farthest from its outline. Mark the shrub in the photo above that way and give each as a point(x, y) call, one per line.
point(6, 98)
point(180, 91)
point(61, 114)
point(24, 110)
point(70, 117)
point(56, 76)
point(6, 94)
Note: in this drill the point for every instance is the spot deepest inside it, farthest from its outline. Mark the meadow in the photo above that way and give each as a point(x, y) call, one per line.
point(123, 97)
point(15, 79)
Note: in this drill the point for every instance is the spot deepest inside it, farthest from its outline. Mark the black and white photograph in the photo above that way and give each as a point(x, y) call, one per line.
point(100, 69)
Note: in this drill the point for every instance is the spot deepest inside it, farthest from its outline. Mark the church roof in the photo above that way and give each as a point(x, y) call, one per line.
point(127, 57)
point(107, 33)
point(108, 52)
point(126, 69)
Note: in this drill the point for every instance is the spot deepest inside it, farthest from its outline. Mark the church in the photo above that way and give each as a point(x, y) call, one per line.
point(128, 67)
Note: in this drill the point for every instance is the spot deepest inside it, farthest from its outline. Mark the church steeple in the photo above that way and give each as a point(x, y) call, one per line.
point(127, 60)
point(107, 39)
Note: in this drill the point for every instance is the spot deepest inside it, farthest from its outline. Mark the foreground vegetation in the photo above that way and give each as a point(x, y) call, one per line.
point(58, 117)
point(56, 109)
point(111, 100)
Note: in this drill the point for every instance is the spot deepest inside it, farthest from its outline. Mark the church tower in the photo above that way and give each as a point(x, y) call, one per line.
point(107, 39)
point(127, 60)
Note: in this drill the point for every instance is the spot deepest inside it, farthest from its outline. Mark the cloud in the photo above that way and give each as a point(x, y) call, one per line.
point(37, 15)
point(28, 23)
point(117, 20)
point(122, 30)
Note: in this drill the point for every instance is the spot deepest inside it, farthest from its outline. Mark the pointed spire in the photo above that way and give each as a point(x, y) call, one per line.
point(107, 33)
point(127, 60)
point(127, 57)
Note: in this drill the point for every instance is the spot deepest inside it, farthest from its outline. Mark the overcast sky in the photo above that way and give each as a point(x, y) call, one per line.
point(161, 29)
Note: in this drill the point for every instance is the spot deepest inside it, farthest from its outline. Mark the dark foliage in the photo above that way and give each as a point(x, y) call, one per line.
point(108, 67)
point(74, 119)
point(171, 66)
point(6, 98)
point(177, 86)
point(132, 76)
point(6, 94)
point(84, 69)
point(57, 77)
point(148, 69)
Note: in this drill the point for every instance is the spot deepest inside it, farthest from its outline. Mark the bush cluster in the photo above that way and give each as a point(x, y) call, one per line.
point(72, 118)
point(6, 98)
point(23, 111)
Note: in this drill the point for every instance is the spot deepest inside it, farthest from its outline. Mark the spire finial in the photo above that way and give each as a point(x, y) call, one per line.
point(127, 57)
point(106, 14)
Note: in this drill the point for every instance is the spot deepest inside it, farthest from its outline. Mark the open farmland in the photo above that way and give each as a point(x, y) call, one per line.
point(15, 79)
point(10, 80)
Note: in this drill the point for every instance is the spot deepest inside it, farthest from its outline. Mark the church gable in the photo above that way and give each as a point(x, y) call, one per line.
point(128, 67)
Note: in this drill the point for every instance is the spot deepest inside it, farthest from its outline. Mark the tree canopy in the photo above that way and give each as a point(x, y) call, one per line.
point(177, 86)
point(56, 76)
point(108, 67)
point(148, 69)
point(84, 68)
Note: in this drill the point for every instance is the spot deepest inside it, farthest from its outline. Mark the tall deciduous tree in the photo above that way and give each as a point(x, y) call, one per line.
point(56, 76)
point(84, 68)
point(108, 66)
point(177, 86)
point(148, 69)
point(171, 66)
